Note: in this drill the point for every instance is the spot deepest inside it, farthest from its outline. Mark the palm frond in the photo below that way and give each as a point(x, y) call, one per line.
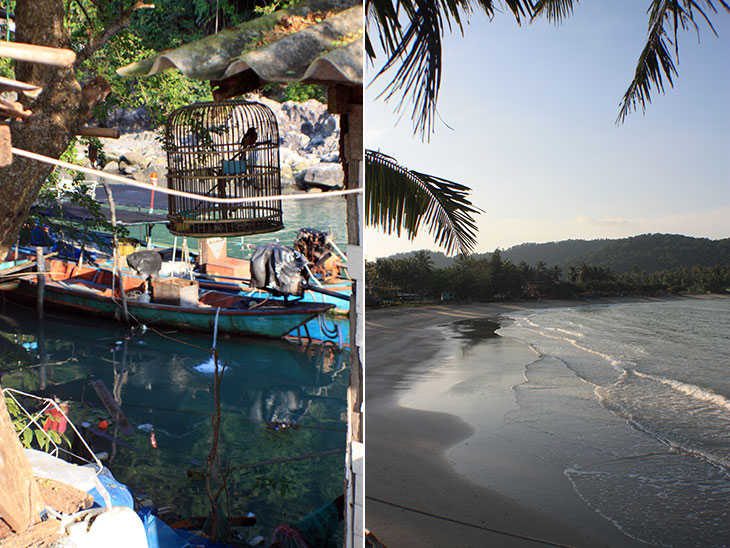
point(416, 50)
point(383, 15)
point(418, 76)
point(554, 11)
point(656, 62)
point(398, 199)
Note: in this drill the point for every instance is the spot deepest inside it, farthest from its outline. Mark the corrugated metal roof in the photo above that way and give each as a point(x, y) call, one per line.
point(317, 41)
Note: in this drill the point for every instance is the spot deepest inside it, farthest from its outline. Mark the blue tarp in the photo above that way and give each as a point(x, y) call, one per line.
point(161, 535)
point(119, 493)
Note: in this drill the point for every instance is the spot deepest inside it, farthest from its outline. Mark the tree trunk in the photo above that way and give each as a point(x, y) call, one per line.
point(21, 502)
point(56, 115)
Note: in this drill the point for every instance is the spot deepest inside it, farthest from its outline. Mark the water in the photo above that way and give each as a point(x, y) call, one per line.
point(279, 400)
point(632, 402)
point(326, 214)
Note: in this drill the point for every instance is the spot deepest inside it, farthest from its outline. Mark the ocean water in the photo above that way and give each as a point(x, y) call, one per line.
point(632, 402)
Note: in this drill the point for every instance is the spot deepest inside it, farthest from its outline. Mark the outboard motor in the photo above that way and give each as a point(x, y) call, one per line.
point(278, 269)
point(312, 244)
point(316, 248)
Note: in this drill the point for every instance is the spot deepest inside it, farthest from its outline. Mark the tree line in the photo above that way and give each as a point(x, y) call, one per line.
point(493, 278)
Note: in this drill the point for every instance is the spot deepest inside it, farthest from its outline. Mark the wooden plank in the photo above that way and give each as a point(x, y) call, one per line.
point(106, 132)
point(7, 84)
point(41, 535)
point(114, 410)
point(6, 146)
point(21, 503)
point(14, 109)
point(37, 54)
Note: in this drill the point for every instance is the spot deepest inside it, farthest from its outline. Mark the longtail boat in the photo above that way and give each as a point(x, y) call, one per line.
point(175, 302)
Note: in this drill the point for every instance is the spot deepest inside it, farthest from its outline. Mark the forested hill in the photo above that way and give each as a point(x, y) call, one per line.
point(648, 252)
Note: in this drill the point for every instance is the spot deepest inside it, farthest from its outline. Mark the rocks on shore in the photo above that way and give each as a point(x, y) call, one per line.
point(308, 154)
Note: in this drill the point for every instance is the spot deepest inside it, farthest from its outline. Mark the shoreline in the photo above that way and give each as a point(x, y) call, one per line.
point(416, 496)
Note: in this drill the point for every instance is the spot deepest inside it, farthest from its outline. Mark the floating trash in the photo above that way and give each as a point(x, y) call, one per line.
point(207, 368)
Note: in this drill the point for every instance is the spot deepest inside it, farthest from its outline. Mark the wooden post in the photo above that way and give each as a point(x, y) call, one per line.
point(20, 503)
point(115, 243)
point(106, 132)
point(40, 259)
point(6, 154)
point(43, 357)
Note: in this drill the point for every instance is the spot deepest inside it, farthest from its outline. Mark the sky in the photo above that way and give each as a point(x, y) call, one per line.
point(533, 111)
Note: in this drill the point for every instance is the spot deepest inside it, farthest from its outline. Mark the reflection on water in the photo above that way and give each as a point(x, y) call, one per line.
point(475, 331)
point(278, 400)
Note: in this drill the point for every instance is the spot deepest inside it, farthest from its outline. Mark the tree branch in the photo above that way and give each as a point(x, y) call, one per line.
point(98, 41)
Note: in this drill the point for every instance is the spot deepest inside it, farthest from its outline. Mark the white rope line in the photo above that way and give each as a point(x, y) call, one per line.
point(163, 190)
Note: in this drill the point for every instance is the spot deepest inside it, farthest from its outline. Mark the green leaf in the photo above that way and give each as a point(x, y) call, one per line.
point(41, 439)
point(27, 438)
point(65, 440)
point(399, 199)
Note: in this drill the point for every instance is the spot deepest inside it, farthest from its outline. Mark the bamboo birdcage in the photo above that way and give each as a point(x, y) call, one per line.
point(223, 150)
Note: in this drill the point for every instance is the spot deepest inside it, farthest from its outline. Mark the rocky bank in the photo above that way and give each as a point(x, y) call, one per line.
point(309, 151)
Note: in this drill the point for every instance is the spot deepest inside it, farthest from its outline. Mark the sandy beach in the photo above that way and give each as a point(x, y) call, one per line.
point(415, 495)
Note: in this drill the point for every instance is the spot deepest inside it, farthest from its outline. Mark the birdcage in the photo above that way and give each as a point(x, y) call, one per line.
point(223, 150)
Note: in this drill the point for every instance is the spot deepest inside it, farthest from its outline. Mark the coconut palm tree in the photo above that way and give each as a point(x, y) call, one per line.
point(423, 260)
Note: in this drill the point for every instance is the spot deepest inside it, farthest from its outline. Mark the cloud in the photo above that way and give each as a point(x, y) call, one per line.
point(713, 223)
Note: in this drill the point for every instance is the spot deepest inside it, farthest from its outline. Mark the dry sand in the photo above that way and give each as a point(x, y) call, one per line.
point(414, 495)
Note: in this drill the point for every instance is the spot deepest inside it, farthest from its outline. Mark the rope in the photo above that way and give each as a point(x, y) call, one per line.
point(467, 524)
point(163, 190)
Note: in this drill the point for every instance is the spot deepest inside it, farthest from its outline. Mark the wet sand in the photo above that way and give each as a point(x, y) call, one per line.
point(415, 496)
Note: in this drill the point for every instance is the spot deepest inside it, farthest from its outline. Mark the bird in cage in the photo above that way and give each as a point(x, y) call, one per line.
point(248, 141)
point(239, 165)
point(249, 138)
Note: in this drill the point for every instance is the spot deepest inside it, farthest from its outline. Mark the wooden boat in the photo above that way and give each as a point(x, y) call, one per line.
point(334, 291)
point(11, 269)
point(175, 302)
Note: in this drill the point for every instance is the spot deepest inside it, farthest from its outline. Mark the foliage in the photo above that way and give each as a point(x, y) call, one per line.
point(6, 67)
point(299, 92)
point(399, 199)
point(170, 24)
point(159, 94)
point(42, 438)
point(295, 91)
point(490, 278)
point(647, 252)
point(47, 225)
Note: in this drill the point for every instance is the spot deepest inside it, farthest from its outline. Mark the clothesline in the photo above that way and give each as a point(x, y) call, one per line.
point(163, 190)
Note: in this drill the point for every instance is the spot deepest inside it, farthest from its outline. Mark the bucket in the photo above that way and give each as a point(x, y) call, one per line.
point(127, 246)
